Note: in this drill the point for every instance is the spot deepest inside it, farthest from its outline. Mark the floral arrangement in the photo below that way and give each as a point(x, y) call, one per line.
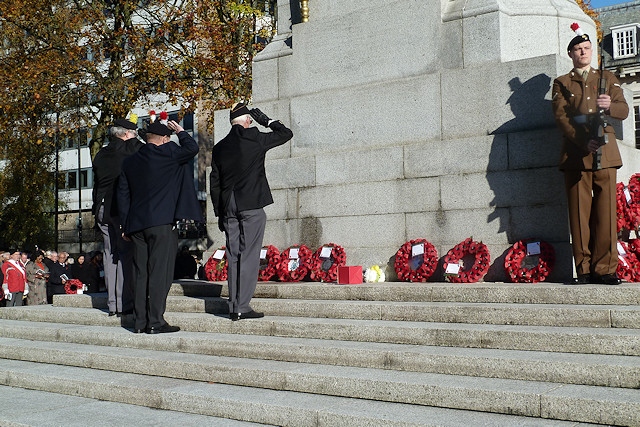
point(269, 264)
point(467, 274)
point(292, 268)
point(72, 286)
point(627, 207)
point(216, 268)
point(374, 274)
point(325, 268)
point(634, 187)
point(416, 265)
point(517, 263)
point(628, 263)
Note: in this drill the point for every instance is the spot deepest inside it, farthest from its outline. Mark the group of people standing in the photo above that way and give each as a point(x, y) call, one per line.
point(33, 279)
point(142, 189)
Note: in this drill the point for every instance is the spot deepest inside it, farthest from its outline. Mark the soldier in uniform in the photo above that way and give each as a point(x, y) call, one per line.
point(589, 167)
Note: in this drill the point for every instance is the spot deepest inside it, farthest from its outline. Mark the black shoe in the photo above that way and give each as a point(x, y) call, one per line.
point(234, 316)
point(609, 279)
point(112, 313)
point(164, 329)
point(250, 315)
point(582, 279)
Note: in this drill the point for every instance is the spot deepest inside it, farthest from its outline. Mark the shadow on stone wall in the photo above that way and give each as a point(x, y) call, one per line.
point(522, 169)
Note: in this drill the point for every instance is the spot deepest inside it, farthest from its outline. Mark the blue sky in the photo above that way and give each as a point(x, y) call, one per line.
point(600, 3)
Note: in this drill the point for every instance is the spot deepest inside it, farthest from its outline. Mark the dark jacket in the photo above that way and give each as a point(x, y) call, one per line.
point(238, 166)
point(156, 185)
point(88, 274)
point(107, 166)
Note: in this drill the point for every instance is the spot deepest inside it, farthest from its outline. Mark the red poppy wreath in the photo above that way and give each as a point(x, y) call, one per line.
point(72, 286)
point(325, 262)
point(628, 263)
point(634, 187)
point(416, 261)
point(216, 267)
point(294, 263)
point(627, 208)
point(529, 261)
point(268, 263)
point(463, 253)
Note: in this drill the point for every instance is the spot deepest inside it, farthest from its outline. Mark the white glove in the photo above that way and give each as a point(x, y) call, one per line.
point(26, 289)
point(5, 290)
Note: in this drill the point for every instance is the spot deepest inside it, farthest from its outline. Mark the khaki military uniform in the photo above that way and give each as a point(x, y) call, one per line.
point(591, 193)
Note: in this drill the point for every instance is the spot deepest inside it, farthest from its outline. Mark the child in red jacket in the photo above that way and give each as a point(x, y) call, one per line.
point(14, 285)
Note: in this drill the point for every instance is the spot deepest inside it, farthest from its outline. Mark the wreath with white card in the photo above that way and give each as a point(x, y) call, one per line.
point(467, 262)
point(294, 263)
point(325, 262)
point(269, 258)
point(216, 266)
point(416, 261)
point(529, 261)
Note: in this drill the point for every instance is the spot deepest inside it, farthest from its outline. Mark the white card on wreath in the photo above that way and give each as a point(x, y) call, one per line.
point(417, 250)
point(627, 195)
point(218, 254)
point(326, 252)
point(293, 253)
point(263, 253)
point(533, 248)
point(621, 250)
point(452, 268)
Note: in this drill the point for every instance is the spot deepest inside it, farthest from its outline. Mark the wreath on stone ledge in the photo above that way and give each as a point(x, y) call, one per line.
point(269, 264)
point(529, 264)
point(416, 261)
point(628, 264)
point(627, 206)
point(215, 269)
point(72, 286)
point(294, 269)
point(458, 266)
point(325, 268)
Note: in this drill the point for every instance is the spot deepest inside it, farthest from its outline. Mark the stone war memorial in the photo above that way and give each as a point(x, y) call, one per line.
point(418, 119)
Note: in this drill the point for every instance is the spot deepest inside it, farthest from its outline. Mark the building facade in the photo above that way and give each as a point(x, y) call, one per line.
point(621, 50)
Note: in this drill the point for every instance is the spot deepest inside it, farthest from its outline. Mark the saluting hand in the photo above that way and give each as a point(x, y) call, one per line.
point(174, 126)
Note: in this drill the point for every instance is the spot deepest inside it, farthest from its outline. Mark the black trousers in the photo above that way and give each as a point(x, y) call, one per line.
point(154, 258)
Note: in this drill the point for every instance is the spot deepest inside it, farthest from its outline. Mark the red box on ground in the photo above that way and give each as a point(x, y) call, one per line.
point(349, 275)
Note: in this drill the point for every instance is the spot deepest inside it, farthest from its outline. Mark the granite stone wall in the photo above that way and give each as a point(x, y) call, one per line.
point(417, 119)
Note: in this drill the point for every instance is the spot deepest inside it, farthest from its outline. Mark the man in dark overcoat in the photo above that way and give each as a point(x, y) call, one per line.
point(589, 166)
point(107, 165)
point(155, 190)
point(239, 192)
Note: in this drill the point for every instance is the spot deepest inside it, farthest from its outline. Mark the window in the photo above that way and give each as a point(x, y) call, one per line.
point(625, 41)
point(71, 140)
point(71, 179)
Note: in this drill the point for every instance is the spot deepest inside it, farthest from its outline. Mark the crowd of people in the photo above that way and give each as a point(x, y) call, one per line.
point(33, 278)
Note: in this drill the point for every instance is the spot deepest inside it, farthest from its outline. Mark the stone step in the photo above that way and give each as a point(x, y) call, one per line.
point(521, 293)
point(568, 368)
point(298, 395)
point(614, 341)
point(257, 405)
point(594, 316)
point(41, 408)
